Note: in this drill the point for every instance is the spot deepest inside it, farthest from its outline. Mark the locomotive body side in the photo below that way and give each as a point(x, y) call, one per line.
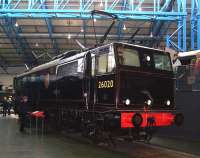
point(112, 87)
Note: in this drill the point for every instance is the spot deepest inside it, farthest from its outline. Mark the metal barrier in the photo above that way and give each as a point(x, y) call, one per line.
point(34, 119)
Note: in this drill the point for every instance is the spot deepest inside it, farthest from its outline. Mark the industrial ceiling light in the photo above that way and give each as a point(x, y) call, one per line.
point(124, 27)
point(151, 34)
point(16, 24)
point(27, 67)
point(69, 36)
point(140, 9)
point(82, 30)
point(95, 19)
point(101, 4)
point(36, 44)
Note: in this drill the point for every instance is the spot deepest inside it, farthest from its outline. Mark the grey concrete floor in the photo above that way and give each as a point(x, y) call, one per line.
point(183, 145)
point(13, 144)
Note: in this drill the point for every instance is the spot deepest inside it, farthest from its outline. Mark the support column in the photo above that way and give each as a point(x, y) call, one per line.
point(179, 25)
point(182, 23)
point(167, 41)
point(198, 25)
point(192, 22)
point(184, 28)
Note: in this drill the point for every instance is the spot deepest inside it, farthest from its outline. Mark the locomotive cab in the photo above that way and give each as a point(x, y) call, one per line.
point(146, 87)
point(128, 76)
point(145, 77)
point(135, 81)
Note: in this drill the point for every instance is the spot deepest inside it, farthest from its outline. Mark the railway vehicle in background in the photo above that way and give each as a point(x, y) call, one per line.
point(188, 73)
point(114, 87)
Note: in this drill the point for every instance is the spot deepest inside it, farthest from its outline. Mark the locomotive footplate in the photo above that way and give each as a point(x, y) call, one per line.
point(146, 119)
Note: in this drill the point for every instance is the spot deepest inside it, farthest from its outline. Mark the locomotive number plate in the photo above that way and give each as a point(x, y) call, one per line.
point(105, 84)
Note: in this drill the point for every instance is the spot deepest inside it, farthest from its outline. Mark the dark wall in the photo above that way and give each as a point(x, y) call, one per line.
point(188, 103)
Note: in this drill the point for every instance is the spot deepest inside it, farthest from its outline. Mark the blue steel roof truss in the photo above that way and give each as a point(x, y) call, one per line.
point(7, 31)
point(18, 43)
point(56, 9)
point(50, 28)
point(129, 11)
point(195, 24)
point(84, 26)
point(181, 45)
point(119, 30)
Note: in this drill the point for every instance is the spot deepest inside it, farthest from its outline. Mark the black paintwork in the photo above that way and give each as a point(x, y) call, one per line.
point(79, 91)
point(134, 84)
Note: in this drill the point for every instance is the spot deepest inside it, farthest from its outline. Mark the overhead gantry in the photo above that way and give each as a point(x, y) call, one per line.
point(157, 11)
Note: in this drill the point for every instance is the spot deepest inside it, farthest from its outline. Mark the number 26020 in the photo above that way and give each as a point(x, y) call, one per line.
point(105, 84)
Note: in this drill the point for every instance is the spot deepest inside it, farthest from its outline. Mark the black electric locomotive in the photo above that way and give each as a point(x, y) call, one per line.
point(113, 87)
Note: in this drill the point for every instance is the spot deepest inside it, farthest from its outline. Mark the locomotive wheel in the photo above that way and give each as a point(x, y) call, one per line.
point(142, 134)
point(93, 133)
point(53, 124)
point(105, 138)
point(84, 130)
point(148, 138)
point(136, 134)
point(98, 135)
point(150, 129)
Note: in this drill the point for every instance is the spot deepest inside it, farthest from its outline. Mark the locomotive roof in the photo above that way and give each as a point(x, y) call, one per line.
point(58, 61)
point(40, 67)
point(50, 64)
point(62, 60)
point(188, 54)
point(139, 46)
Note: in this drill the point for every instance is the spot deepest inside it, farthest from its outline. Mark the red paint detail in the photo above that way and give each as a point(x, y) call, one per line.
point(161, 119)
point(38, 114)
point(126, 119)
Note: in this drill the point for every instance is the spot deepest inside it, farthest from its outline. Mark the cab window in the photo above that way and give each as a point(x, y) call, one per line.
point(105, 63)
point(162, 62)
point(129, 57)
point(74, 68)
point(68, 69)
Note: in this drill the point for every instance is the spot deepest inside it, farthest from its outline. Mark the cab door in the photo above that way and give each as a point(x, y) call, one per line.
point(104, 82)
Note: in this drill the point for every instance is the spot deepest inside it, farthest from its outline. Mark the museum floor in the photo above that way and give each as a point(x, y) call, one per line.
point(17, 145)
